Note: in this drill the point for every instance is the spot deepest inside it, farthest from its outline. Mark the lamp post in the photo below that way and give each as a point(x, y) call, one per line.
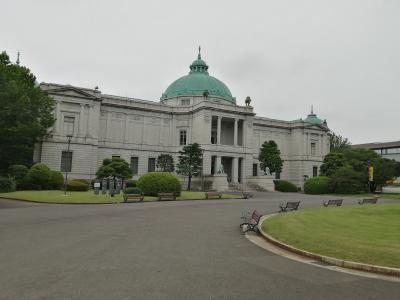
point(69, 137)
point(202, 170)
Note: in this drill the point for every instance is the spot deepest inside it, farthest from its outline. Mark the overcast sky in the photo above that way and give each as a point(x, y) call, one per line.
point(342, 56)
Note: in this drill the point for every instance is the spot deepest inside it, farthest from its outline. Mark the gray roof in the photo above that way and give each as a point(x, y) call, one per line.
point(378, 145)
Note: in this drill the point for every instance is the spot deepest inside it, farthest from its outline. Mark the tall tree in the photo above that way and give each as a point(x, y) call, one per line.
point(25, 114)
point(270, 157)
point(337, 142)
point(115, 167)
point(190, 162)
point(165, 162)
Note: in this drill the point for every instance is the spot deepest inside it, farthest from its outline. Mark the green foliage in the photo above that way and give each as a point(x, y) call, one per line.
point(85, 181)
point(285, 186)
point(348, 181)
point(18, 172)
point(318, 185)
point(332, 162)
point(337, 142)
point(56, 180)
point(153, 183)
point(384, 170)
point(39, 176)
point(115, 167)
point(190, 162)
point(130, 183)
point(26, 112)
point(165, 162)
point(132, 190)
point(270, 157)
point(74, 185)
point(7, 185)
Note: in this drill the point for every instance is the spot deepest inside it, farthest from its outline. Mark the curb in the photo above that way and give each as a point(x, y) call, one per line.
point(327, 259)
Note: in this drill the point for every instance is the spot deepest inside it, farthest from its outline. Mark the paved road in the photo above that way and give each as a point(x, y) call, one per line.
point(174, 250)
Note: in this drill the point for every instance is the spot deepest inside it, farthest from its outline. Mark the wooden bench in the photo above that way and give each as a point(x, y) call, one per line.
point(215, 195)
point(136, 197)
point(290, 205)
point(337, 202)
point(250, 222)
point(368, 201)
point(166, 197)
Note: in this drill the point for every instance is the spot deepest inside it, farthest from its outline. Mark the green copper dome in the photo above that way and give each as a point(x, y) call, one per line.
point(197, 82)
point(313, 119)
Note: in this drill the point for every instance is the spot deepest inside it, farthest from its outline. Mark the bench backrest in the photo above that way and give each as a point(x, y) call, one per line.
point(370, 200)
point(133, 195)
point(335, 201)
point(256, 216)
point(292, 204)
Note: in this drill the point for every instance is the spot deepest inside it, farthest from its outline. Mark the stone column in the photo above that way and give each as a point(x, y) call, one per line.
point(81, 120)
point(235, 169)
point(57, 115)
point(217, 163)
point(219, 130)
point(89, 121)
point(126, 139)
point(235, 133)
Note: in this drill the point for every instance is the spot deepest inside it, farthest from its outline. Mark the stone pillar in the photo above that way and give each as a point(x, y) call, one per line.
point(217, 164)
point(235, 169)
point(219, 130)
point(235, 133)
point(126, 136)
point(81, 120)
point(57, 115)
point(89, 121)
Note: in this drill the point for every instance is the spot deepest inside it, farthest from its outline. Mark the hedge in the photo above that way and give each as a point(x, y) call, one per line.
point(153, 183)
point(56, 180)
point(39, 176)
point(318, 185)
point(131, 183)
point(7, 185)
point(285, 186)
point(132, 190)
point(73, 185)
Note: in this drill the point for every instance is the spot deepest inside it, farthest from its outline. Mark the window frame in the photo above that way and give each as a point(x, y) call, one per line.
point(66, 166)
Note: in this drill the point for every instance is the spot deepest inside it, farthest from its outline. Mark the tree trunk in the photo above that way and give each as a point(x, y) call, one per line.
point(189, 182)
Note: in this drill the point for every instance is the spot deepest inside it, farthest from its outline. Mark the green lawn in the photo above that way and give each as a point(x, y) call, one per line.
point(370, 195)
point(368, 234)
point(89, 197)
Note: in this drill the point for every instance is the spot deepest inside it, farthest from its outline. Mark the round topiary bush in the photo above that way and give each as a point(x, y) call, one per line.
point(153, 183)
point(56, 180)
point(7, 185)
point(18, 172)
point(85, 181)
point(285, 186)
point(318, 185)
point(39, 176)
point(73, 185)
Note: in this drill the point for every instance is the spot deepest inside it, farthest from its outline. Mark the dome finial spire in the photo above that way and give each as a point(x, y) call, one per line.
point(312, 109)
point(17, 62)
point(199, 56)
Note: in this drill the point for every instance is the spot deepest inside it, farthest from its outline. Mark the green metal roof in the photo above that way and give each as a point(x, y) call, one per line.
point(313, 119)
point(197, 82)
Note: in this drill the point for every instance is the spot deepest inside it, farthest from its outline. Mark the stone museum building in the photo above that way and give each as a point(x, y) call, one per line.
point(196, 108)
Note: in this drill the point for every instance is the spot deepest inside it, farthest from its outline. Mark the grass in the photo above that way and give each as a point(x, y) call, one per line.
point(90, 197)
point(370, 195)
point(368, 234)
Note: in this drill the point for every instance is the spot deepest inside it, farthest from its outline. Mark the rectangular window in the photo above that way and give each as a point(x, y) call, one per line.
point(69, 123)
point(314, 171)
point(313, 149)
point(151, 165)
point(185, 102)
point(182, 137)
point(134, 165)
point(255, 169)
point(278, 175)
point(66, 161)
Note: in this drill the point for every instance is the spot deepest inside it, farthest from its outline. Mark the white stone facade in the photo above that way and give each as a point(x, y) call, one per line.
point(103, 126)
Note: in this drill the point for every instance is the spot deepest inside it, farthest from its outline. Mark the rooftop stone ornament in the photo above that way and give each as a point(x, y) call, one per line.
point(247, 101)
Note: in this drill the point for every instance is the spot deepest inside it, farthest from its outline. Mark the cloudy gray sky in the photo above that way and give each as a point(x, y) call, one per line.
point(342, 56)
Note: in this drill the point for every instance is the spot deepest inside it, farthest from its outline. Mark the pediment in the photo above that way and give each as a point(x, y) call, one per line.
point(71, 91)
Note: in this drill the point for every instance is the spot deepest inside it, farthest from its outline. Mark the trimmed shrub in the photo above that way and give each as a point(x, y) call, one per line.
point(56, 180)
point(85, 181)
point(131, 183)
point(18, 172)
point(73, 185)
point(318, 185)
point(285, 186)
point(7, 185)
point(153, 183)
point(132, 190)
point(347, 181)
point(39, 176)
